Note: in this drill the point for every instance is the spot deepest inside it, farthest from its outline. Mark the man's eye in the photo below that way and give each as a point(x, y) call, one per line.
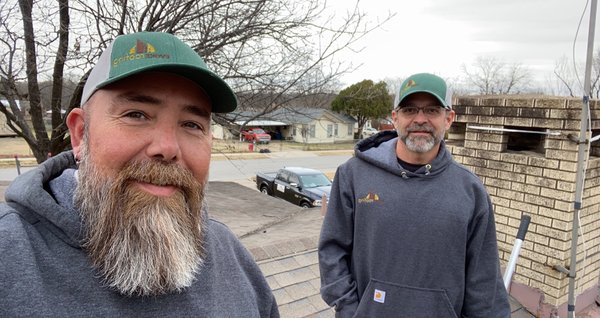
point(136, 115)
point(432, 110)
point(409, 110)
point(193, 125)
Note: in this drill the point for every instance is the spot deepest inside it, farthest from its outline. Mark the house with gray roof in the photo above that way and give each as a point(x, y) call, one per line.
point(303, 125)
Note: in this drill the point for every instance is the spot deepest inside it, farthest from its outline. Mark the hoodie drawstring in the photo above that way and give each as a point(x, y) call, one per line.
point(427, 169)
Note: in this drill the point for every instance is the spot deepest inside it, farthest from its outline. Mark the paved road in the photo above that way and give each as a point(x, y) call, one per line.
point(233, 170)
point(8, 174)
point(243, 169)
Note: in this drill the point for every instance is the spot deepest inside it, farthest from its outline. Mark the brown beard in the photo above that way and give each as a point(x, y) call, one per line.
point(141, 244)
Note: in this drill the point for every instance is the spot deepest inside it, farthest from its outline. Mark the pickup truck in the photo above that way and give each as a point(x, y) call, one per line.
point(301, 186)
point(368, 132)
point(256, 135)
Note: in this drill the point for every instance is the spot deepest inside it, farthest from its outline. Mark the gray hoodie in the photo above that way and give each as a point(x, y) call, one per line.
point(45, 273)
point(400, 244)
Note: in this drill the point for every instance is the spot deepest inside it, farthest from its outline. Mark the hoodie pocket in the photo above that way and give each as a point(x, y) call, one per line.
point(382, 299)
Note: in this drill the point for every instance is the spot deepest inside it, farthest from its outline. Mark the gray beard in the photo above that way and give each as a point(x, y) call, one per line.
point(142, 245)
point(420, 144)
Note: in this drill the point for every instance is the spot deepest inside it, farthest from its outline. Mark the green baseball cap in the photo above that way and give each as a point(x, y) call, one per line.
point(425, 83)
point(135, 53)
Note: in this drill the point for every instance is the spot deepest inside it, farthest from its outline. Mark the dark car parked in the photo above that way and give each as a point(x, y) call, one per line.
point(302, 186)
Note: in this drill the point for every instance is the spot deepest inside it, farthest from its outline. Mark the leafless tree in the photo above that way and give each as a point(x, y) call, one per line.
point(393, 84)
point(270, 51)
point(564, 79)
point(24, 39)
point(569, 77)
point(492, 76)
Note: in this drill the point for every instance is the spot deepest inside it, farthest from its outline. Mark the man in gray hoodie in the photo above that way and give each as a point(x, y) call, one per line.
point(408, 231)
point(118, 226)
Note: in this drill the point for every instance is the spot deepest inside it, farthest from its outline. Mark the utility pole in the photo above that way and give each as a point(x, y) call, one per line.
point(583, 144)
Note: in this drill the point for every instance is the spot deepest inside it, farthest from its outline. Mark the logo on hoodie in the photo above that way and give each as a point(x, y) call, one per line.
point(379, 296)
point(369, 198)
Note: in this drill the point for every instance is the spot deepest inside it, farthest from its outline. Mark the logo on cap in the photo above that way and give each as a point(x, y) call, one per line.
point(142, 47)
point(409, 84)
point(141, 50)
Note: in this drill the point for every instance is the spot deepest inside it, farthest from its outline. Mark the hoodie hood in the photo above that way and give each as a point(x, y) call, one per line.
point(31, 191)
point(380, 150)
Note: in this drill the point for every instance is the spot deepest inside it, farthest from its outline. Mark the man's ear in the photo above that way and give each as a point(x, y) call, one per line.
point(76, 124)
point(450, 119)
point(394, 115)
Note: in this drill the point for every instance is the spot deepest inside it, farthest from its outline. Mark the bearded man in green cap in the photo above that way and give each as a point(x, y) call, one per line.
point(409, 232)
point(118, 226)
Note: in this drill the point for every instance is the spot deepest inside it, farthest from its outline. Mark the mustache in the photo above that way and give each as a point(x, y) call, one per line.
point(158, 173)
point(421, 128)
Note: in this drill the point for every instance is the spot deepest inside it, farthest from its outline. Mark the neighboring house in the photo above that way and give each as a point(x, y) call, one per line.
point(219, 131)
point(316, 125)
point(303, 125)
point(48, 116)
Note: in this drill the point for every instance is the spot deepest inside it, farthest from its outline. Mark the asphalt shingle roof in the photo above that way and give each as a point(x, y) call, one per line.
point(283, 239)
point(300, 115)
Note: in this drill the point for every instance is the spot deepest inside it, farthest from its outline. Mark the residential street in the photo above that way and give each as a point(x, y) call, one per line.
point(223, 168)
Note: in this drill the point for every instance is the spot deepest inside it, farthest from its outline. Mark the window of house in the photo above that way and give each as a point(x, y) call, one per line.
point(293, 130)
point(526, 141)
point(350, 129)
point(335, 130)
point(329, 130)
point(313, 131)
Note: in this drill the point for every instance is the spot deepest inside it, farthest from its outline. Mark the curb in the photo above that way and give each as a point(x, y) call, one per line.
point(24, 162)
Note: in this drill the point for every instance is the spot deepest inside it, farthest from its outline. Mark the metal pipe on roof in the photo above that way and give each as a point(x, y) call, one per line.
point(551, 133)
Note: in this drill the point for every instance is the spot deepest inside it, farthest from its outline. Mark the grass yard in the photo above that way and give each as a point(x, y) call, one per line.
point(11, 146)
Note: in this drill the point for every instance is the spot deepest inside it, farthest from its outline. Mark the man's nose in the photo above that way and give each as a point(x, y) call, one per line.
point(164, 144)
point(420, 117)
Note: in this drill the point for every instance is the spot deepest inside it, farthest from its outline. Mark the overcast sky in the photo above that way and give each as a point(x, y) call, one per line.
point(439, 36)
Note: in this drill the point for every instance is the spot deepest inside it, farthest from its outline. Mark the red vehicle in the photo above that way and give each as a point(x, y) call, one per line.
point(256, 135)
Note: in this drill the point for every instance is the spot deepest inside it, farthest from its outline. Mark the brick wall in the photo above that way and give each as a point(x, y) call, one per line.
point(539, 180)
